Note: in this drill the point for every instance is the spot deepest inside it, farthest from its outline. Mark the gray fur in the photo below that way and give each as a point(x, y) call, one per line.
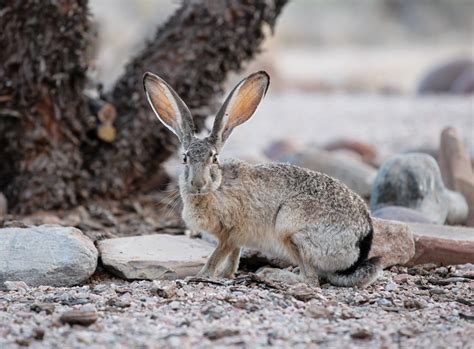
point(284, 210)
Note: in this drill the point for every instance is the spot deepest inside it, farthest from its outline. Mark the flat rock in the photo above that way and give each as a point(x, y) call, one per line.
point(356, 174)
point(154, 257)
point(442, 245)
point(392, 241)
point(401, 214)
point(46, 255)
point(456, 168)
point(414, 181)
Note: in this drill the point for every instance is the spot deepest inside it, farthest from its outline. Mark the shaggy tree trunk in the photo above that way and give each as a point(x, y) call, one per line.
point(42, 108)
point(54, 151)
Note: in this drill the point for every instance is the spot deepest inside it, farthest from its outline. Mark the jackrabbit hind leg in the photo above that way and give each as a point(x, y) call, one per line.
point(302, 251)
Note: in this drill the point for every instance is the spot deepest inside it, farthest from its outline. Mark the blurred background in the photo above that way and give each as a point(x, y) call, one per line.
point(340, 69)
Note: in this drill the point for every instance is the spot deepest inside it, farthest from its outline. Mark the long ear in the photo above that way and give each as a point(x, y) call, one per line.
point(169, 108)
point(239, 106)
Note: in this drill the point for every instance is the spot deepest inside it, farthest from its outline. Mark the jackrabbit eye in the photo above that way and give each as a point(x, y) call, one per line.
point(185, 158)
point(214, 158)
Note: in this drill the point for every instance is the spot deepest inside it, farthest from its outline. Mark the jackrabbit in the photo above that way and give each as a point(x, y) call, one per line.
point(304, 216)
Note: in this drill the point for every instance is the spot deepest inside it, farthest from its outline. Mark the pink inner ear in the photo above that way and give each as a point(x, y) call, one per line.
point(161, 102)
point(246, 101)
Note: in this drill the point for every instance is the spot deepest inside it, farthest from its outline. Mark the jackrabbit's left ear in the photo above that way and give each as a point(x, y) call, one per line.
point(239, 106)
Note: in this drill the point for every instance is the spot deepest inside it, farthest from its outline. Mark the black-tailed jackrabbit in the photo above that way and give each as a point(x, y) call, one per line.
point(305, 216)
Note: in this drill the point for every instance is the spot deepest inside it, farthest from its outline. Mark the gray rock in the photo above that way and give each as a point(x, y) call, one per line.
point(46, 255)
point(153, 257)
point(402, 214)
point(280, 149)
point(414, 180)
point(391, 286)
point(354, 173)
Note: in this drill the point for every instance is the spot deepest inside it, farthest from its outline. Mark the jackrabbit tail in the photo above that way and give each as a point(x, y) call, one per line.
point(294, 213)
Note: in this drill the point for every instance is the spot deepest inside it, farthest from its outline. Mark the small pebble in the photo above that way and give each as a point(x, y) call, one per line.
point(401, 278)
point(362, 333)
point(220, 333)
point(85, 316)
point(175, 305)
point(384, 302)
point(391, 286)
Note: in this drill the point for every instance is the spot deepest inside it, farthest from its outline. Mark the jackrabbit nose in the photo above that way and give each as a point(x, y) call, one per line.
point(198, 183)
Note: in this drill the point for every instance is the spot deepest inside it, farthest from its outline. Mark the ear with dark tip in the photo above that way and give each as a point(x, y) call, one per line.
point(239, 106)
point(169, 108)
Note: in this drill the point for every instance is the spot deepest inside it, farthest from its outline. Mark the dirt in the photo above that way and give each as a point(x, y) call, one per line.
point(421, 307)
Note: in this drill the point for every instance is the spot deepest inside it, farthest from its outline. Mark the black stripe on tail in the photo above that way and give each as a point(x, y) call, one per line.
point(364, 245)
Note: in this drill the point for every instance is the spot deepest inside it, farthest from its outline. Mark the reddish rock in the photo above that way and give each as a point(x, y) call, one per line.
point(456, 168)
point(367, 152)
point(392, 241)
point(442, 245)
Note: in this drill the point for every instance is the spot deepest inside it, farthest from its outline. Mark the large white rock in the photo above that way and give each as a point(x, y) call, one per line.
point(46, 255)
point(158, 256)
point(413, 180)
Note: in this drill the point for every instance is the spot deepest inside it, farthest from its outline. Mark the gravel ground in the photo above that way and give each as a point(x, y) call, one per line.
point(422, 307)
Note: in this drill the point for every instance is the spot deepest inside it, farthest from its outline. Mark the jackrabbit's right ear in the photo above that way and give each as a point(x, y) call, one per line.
point(239, 106)
point(169, 108)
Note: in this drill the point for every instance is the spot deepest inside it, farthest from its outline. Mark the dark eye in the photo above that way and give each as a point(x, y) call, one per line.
point(185, 158)
point(214, 159)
